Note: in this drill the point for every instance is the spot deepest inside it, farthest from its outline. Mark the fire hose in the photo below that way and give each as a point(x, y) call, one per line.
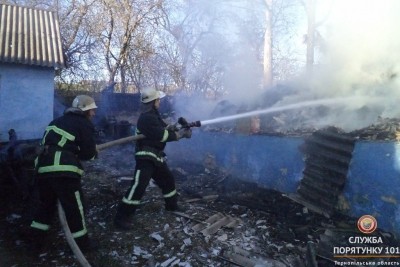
point(67, 232)
point(120, 141)
point(182, 124)
point(68, 235)
point(70, 239)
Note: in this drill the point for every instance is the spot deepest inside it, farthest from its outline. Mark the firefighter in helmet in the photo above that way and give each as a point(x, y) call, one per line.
point(66, 142)
point(150, 159)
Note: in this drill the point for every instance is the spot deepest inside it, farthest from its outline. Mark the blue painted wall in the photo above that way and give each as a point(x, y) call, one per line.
point(26, 100)
point(272, 162)
point(373, 182)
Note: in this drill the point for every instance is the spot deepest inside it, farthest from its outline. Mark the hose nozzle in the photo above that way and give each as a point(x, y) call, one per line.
point(183, 122)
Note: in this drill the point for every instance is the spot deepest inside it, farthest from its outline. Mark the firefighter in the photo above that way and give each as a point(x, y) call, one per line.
point(150, 159)
point(66, 142)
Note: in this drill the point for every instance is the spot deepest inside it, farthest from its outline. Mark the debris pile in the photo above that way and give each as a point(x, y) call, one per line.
point(226, 221)
point(386, 129)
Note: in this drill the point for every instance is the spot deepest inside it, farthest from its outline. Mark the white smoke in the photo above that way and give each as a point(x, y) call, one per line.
point(356, 58)
point(359, 58)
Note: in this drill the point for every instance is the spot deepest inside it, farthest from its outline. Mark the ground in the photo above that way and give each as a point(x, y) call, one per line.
point(227, 222)
point(276, 234)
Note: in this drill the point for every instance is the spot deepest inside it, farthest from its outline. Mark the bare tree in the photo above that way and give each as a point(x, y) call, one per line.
point(76, 32)
point(185, 44)
point(78, 39)
point(140, 67)
point(313, 37)
point(310, 40)
point(267, 73)
point(268, 26)
point(187, 23)
point(120, 20)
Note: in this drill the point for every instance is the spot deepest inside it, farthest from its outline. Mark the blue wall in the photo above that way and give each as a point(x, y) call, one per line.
point(272, 162)
point(26, 100)
point(373, 182)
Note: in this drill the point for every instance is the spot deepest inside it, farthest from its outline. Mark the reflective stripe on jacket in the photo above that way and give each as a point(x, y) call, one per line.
point(153, 127)
point(66, 140)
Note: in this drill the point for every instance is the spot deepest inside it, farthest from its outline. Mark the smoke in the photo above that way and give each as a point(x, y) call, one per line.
point(358, 58)
point(361, 43)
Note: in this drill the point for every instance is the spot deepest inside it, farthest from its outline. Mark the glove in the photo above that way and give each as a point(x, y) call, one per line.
point(172, 127)
point(184, 133)
point(183, 122)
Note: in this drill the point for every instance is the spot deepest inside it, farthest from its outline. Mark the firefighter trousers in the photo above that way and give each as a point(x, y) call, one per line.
point(144, 171)
point(69, 191)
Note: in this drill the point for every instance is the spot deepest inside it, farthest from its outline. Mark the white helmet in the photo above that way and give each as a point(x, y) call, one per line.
point(150, 94)
point(84, 102)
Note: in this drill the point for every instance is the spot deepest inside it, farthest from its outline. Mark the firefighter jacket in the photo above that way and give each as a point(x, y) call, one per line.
point(67, 140)
point(153, 127)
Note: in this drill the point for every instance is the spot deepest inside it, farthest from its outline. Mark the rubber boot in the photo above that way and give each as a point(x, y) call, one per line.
point(171, 204)
point(124, 218)
point(37, 241)
point(86, 245)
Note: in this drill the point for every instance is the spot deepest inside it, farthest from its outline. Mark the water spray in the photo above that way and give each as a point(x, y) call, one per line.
point(331, 101)
point(184, 124)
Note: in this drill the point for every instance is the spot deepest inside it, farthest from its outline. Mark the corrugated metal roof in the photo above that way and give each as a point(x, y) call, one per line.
point(329, 154)
point(30, 36)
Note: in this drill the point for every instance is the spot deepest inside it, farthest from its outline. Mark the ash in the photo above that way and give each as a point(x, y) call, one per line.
point(227, 222)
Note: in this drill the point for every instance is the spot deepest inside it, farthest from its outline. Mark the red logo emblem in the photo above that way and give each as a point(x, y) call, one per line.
point(367, 224)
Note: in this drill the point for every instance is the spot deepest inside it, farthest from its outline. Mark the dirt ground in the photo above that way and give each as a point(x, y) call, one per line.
point(276, 234)
point(227, 222)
